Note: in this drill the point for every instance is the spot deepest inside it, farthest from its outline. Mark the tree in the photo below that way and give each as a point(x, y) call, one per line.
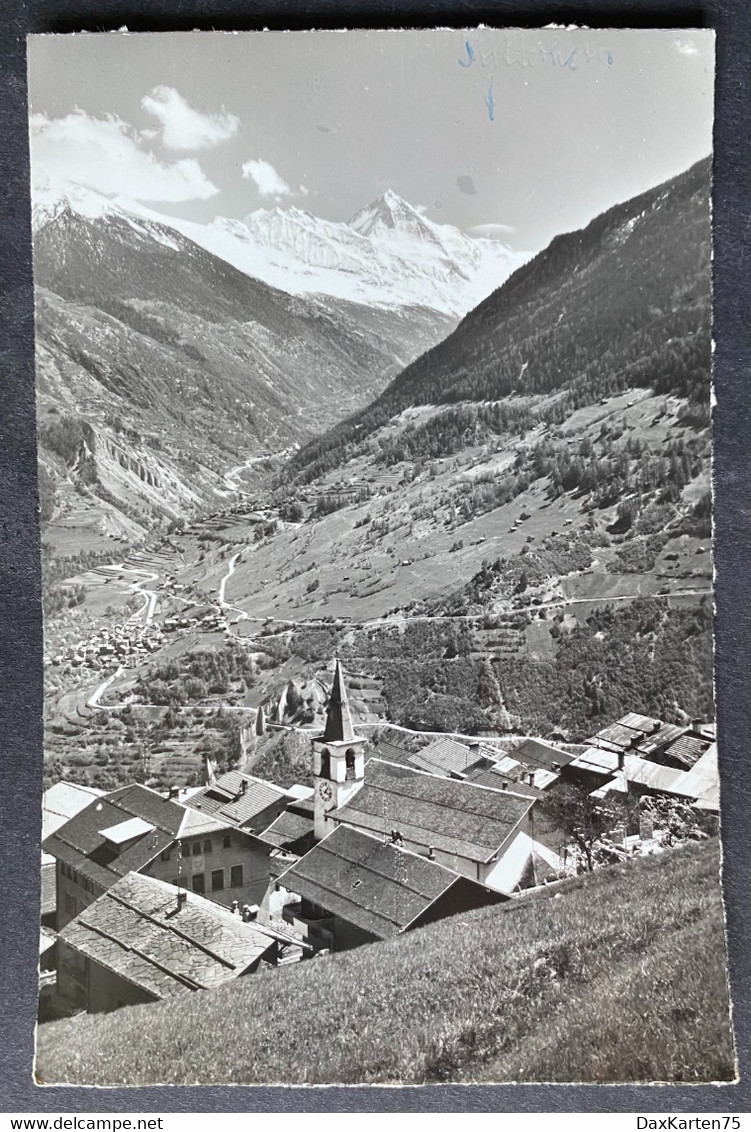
point(582, 818)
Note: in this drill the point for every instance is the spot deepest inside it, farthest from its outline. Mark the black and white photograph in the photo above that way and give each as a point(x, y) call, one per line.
point(374, 425)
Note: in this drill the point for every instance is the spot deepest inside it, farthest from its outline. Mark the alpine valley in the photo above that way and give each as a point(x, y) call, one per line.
point(482, 480)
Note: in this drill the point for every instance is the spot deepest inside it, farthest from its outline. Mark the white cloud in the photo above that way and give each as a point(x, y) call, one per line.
point(268, 182)
point(685, 47)
point(492, 231)
point(105, 154)
point(184, 128)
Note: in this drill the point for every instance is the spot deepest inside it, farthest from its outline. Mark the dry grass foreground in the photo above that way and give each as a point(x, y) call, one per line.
point(619, 978)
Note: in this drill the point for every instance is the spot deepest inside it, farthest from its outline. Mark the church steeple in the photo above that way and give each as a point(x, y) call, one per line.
point(338, 761)
point(339, 727)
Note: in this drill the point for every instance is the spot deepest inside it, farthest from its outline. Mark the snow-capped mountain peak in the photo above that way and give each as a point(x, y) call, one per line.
point(52, 198)
point(389, 255)
point(389, 213)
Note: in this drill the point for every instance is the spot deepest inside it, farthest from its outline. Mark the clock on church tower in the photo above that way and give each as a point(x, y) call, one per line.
point(338, 760)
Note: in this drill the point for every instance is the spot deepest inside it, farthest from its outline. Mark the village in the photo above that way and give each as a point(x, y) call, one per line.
point(149, 894)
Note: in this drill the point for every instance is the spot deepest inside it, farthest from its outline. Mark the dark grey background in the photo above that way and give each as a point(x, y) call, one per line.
point(20, 609)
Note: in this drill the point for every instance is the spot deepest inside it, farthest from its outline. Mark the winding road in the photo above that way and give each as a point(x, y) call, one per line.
point(224, 605)
point(230, 477)
point(149, 596)
point(96, 695)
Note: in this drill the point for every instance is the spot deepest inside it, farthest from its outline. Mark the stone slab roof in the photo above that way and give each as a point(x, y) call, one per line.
point(447, 756)
point(228, 800)
point(60, 803)
point(288, 829)
point(81, 842)
point(137, 930)
point(368, 882)
point(688, 749)
point(455, 817)
point(538, 754)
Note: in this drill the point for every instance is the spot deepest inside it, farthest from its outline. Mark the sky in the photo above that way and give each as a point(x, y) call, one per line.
point(518, 134)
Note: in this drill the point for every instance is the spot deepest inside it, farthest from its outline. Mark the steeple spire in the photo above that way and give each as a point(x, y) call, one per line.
point(339, 727)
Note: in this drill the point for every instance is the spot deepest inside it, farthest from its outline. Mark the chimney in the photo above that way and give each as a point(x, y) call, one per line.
point(244, 786)
point(621, 760)
point(174, 792)
point(235, 909)
point(431, 853)
point(250, 912)
point(182, 896)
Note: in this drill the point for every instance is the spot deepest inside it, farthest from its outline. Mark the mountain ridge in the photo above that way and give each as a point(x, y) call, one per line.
point(405, 263)
point(630, 292)
point(199, 362)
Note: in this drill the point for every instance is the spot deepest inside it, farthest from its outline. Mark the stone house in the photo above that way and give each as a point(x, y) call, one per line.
point(144, 940)
point(353, 888)
point(136, 829)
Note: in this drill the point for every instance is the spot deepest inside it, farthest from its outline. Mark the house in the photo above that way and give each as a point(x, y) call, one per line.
point(60, 803)
point(537, 754)
point(241, 801)
point(689, 748)
point(445, 755)
point(486, 835)
point(667, 743)
point(388, 752)
point(698, 786)
point(517, 781)
point(449, 757)
point(594, 767)
point(144, 940)
point(354, 888)
point(136, 829)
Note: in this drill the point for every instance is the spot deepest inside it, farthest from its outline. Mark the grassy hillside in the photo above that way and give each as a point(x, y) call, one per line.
point(618, 976)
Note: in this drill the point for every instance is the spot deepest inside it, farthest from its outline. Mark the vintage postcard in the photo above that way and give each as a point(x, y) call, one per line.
point(374, 434)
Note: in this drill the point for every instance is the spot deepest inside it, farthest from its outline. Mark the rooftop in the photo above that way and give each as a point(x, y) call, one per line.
point(288, 829)
point(495, 779)
point(641, 734)
point(137, 930)
point(448, 756)
point(702, 782)
point(60, 803)
point(596, 761)
point(82, 842)
point(238, 799)
point(538, 754)
point(376, 885)
point(688, 749)
point(451, 816)
point(126, 831)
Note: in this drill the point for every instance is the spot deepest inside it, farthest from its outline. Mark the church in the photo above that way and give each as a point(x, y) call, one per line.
point(396, 847)
point(338, 759)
